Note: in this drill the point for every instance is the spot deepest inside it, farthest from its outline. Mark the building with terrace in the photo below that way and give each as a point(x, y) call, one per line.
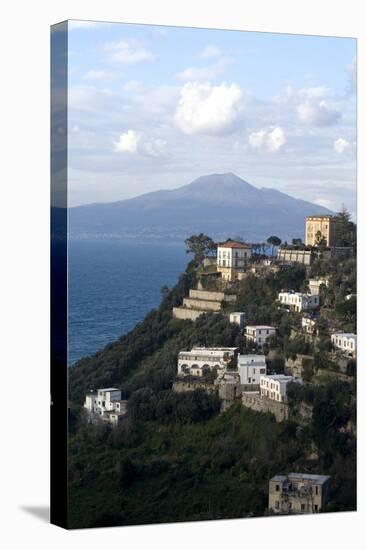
point(105, 404)
point(259, 334)
point(232, 259)
point(200, 361)
point(298, 493)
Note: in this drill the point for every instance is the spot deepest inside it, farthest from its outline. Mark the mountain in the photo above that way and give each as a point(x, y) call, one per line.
point(220, 205)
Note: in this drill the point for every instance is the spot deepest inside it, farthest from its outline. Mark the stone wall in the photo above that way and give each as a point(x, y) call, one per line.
point(229, 391)
point(260, 404)
point(186, 314)
point(211, 296)
point(204, 305)
point(181, 386)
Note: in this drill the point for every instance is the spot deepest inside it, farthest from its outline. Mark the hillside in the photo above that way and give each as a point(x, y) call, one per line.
point(217, 204)
point(174, 458)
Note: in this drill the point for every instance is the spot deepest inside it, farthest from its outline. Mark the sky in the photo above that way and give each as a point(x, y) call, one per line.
point(156, 107)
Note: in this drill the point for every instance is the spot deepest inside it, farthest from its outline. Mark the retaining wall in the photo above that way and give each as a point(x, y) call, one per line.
point(260, 404)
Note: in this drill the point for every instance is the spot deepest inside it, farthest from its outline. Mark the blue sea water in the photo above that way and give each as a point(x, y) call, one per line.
point(113, 285)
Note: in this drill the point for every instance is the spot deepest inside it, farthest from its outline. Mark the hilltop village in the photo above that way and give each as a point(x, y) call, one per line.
point(269, 328)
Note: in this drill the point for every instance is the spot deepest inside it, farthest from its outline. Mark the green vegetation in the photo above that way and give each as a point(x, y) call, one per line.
point(174, 457)
point(199, 246)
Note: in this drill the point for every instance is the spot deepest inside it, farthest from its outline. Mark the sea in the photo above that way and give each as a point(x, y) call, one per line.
point(113, 284)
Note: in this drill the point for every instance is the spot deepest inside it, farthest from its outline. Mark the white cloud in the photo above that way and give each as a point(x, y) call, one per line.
point(270, 139)
point(135, 143)
point(317, 113)
point(207, 109)
point(341, 145)
point(127, 142)
point(210, 51)
point(128, 52)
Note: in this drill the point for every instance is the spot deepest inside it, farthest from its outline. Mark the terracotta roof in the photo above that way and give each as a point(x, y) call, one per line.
point(234, 244)
point(327, 216)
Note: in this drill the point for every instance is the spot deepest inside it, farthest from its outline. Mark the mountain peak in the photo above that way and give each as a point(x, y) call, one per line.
point(216, 204)
point(228, 178)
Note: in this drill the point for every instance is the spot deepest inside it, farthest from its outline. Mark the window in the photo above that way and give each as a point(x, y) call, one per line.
point(316, 490)
point(277, 488)
point(316, 507)
point(302, 507)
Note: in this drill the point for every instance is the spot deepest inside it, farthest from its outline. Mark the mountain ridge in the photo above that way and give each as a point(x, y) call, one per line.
point(217, 204)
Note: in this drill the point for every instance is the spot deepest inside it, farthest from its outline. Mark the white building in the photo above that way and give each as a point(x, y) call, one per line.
point(232, 259)
point(315, 284)
point(105, 403)
point(298, 301)
point(259, 334)
point(345, 341)
point(274, 386)
point(199, 361)
point(238, 318)
point(308, 324)
point(251, 368)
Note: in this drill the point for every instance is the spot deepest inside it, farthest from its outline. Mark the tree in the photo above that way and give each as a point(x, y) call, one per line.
point(200, 245)
point(274, 241)
point(345, 229)
point(320, 240)
point(164, 291)
point(297, 242)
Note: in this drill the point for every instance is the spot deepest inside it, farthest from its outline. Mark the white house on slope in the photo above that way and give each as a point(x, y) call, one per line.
point(232, 259)
point(315, 284)
point(274, 386)
point(259, 334)
point(298, 301)
point(345, 341)
point(251, 367)
point(237, 318)
point(106, 404)
point(198, 361)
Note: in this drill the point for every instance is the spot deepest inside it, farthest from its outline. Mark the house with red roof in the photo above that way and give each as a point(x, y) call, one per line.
point(232, 259)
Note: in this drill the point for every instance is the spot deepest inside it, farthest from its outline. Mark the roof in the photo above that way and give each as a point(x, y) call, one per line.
point(325, 216)
point(261, 327)
point(279, 377)
point(205, 351)
point(109, 389)
point(345, 334)
point(311, 477)
point(278, 478)
point(234, 244)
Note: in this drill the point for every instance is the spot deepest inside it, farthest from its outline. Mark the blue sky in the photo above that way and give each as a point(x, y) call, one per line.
point(155, 107)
